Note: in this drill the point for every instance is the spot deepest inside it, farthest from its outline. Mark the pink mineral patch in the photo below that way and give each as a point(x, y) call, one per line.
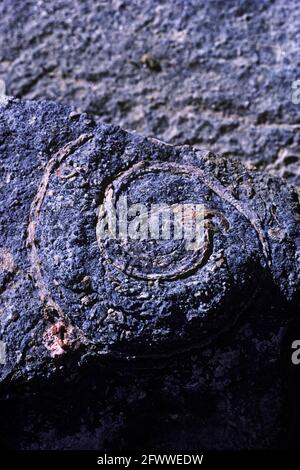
point(57, 338)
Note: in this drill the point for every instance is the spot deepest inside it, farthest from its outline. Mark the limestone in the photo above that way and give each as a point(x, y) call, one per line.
point(80, 315)
point(187, 72)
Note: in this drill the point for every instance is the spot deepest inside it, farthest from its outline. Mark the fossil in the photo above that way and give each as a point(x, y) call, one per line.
point(70, 290)
point(71, 299)
point(139, 340)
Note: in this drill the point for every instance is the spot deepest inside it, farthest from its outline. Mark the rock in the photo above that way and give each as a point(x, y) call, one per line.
point(192, 72)
point(159, 327)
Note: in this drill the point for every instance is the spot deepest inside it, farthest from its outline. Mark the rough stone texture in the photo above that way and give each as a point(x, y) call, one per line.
point(106, 357)
point(206, 73)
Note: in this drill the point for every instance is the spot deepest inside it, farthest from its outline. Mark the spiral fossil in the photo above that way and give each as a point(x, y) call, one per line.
point(151, 269)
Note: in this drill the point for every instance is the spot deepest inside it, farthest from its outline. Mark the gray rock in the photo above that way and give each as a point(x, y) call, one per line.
point(118, 328)
point(193, 72)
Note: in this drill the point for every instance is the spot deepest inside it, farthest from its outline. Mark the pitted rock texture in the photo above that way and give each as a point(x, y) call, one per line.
point(142, 295)
point(204, 73)
point(208, 322)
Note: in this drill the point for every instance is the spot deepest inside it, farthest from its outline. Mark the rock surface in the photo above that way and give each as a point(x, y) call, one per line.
point(105, 338)
point(206, 73)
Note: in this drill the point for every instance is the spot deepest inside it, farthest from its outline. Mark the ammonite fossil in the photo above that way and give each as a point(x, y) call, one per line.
point(95, 259)
point(139, 294)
